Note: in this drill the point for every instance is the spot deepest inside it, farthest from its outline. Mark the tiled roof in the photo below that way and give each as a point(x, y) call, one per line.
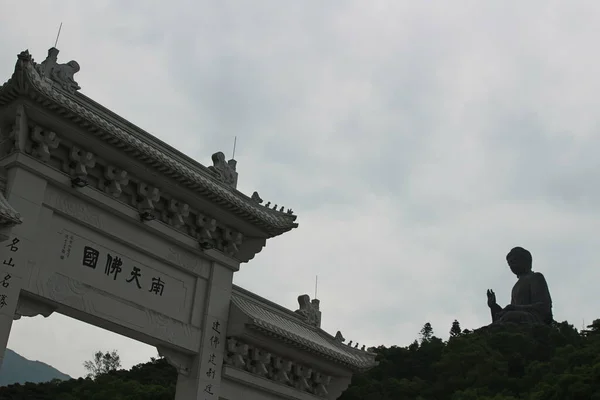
point(289, 327)
point(110, 127)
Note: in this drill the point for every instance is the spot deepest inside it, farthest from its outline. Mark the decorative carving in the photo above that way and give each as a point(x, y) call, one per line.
point(225, 170)
point(255, 197)
point(181, 362)
point(43, 143)
point(69, 292)
point(206, 230)
point(232, 242)
point(27, 307)
point(17, 138)
point(309, 310)
point(276, 368)
point(188, 261)
point(260, 361)
point(27, 80)
point(176, 213)
point(81, 160)
point(301, 376)
point(321, 383)
point(63, 74)
point(282, 369)
point(117, 178)
point(339, 337)
point(148, 196)
point(281, 209)
point(75, 208)
point(237, 353)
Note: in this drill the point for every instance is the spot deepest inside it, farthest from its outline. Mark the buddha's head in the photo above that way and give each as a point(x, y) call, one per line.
point(519, 260)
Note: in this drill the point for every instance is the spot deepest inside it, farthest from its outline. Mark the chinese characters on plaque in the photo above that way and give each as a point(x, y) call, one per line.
point(114, 266)
point(211, 358)
point(5, 275)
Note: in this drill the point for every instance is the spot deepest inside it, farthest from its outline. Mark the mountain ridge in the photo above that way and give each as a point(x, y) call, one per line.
point(18, 369)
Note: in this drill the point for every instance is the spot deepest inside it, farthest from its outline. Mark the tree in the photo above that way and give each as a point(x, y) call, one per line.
point(426, 332)
point(455, 331)
point(593, 329)
point(102, 363)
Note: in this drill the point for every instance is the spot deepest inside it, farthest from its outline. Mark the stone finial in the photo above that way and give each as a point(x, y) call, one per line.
point(117, 178)
point(148, 196)
point(309, 310)
point(81, 160)
point(255, 197)
point(224, 170)
point(24, 56)
point(339, 337)
point(44, 142)
point(63, 74)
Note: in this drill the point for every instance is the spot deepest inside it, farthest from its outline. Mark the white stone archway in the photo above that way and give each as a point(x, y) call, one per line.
point(102, 222)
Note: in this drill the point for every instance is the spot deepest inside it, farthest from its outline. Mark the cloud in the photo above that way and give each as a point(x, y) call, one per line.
point(417, 143)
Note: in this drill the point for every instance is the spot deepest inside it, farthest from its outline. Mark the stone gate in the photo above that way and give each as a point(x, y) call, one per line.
point(101, 221)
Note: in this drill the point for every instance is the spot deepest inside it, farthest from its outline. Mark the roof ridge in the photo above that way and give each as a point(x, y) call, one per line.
point(182, 169)
point(253, 296)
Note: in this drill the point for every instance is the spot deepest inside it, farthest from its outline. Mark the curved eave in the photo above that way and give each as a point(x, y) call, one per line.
point(26, 81)
point(298, 342)
point(286, 326)
point(8, 215)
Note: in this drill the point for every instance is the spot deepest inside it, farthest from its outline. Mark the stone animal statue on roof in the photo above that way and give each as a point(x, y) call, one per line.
point(63, 74)
point(530, 301)
point(309, 310)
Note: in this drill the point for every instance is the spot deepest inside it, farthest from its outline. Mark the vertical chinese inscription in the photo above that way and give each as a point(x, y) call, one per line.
point(5, 276)
point(211, 358)
point(67, 244)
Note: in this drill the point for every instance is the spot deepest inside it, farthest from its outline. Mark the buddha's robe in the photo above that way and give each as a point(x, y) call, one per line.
point(531, 299)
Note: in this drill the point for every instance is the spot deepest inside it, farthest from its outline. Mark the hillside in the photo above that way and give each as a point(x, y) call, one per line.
point(18, 369)
point(534, 363)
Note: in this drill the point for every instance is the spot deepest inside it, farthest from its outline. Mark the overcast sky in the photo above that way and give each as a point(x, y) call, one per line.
point(417, 142)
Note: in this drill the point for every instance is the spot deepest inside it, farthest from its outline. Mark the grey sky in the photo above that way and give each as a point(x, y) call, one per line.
point(417, 141)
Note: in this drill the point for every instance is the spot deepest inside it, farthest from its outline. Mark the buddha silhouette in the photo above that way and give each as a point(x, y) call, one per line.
point(530, 301)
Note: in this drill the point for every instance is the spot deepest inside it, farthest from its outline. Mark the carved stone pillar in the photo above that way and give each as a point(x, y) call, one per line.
point(200, 375)
point(25, 193)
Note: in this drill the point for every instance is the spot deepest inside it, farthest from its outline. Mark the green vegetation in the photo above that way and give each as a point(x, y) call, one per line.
point(493, 363)
point(509, 363)
point(102, 363)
